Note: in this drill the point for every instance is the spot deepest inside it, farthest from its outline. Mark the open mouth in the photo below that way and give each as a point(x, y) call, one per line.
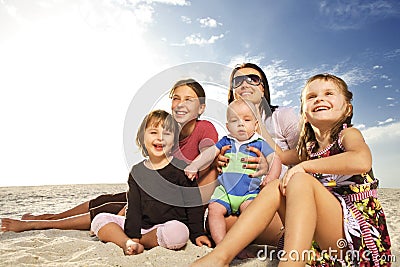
point(159, 147)
point(246, 94)
point(321, 108)
point(180, 113)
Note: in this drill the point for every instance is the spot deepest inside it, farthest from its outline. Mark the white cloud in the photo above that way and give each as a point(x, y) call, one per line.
point(186, 20)
point(354, 76)
point(239, 59)
point(390, 98)
point(374, 87)
point(377, 67)
point(388, 86)
point(144, 14)
point(208, 23)
point(384, 142)
point(168, 2)
point(392, 54)
point(389, 120)
point(360, 126)
point(196, 39)
point(287, 102)
point(384, 77)
point(346, 15)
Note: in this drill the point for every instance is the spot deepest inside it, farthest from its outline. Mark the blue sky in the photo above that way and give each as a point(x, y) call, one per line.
point(70, 69)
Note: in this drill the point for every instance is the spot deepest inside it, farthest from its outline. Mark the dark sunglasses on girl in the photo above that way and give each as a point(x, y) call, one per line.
point(251, 79)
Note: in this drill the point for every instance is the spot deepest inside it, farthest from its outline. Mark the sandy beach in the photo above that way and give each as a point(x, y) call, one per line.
point(78, 248)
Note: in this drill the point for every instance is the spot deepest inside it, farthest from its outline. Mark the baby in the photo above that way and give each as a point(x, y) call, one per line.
point(237, 186)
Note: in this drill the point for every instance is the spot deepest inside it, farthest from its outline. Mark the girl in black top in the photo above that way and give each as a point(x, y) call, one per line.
point(164, 207)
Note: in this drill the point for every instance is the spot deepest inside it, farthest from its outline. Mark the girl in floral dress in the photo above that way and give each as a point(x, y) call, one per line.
point(328, 200)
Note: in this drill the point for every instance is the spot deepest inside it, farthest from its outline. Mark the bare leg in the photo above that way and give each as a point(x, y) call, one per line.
point(245, 253)
point(250, 224)
point(80, 209)
point(112, 232)
point(207, 183)
point(149, 240)
point(311, 212)
point(216, 213)
point(79, 222)
point(271, 234)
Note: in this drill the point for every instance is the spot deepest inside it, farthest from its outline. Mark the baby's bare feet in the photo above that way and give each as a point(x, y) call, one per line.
point(133, 248)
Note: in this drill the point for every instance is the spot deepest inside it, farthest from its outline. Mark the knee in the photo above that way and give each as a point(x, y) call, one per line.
point(298, 183)
point(216, 208)
point(102, 219)
point(173, 235)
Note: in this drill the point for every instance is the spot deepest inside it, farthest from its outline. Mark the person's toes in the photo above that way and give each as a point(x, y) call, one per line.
point(133, 248)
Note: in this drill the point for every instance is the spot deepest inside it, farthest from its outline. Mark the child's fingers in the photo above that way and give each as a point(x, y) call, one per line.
point(255, 150)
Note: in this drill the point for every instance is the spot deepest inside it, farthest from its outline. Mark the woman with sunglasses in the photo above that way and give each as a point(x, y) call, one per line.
point(278, 125)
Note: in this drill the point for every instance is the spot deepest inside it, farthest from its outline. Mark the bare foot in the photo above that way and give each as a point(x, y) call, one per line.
point(30, 216)
point(15, 225)
point(133, 248)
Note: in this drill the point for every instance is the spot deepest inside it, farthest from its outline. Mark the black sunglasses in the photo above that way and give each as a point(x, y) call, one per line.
point(251, 79)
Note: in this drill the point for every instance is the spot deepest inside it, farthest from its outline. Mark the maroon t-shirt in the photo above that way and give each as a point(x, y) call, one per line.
point(204, 135)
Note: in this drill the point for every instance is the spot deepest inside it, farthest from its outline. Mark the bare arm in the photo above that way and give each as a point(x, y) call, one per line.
point(201, 161)
point(275, 167)
point(262, 130)
point(289, 157)
point(355, 160)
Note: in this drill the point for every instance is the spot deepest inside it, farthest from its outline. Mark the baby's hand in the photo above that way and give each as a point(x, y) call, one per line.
point(191, 172)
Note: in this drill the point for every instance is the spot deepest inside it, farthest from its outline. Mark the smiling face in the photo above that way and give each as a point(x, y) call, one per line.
point(241, 121)
point(158, 141)
point(253, 93)
point(186, 105)
point(323, 102)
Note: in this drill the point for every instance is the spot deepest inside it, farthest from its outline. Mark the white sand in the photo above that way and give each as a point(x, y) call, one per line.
point(77, 248)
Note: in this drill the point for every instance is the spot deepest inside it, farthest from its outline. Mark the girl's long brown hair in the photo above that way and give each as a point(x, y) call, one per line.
point(307, 134)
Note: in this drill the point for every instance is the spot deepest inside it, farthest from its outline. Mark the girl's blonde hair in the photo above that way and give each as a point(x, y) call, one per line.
point(307, 134)
point(155, 118)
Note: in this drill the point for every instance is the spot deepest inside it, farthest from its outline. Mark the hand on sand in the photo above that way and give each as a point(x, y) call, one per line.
point(133, 248)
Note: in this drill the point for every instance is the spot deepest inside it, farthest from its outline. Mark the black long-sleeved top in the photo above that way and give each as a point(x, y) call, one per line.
point(158, 196)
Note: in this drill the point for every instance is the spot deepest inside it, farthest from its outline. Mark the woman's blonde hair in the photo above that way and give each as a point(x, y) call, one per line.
point(155, 118)
point(307, 134)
